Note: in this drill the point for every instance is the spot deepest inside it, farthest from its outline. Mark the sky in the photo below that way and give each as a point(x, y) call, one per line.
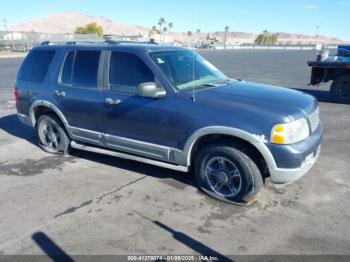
point(292, 16)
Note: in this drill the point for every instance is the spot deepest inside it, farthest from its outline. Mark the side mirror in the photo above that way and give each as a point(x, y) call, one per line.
point(151, 90)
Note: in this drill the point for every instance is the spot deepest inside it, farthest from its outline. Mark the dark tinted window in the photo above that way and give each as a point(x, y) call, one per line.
point(86, 68)
point(36, 65)
point(67, 71)
point(127, 72)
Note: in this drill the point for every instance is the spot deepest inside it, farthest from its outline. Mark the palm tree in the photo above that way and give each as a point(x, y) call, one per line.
point(165, 29)
point(189, 34)
point(152, 31)
point(227, 28)
point(170, 26)
point(198, 31)
point(161, 22)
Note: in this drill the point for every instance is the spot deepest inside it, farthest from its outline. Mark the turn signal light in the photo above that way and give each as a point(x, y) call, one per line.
point(16, 94)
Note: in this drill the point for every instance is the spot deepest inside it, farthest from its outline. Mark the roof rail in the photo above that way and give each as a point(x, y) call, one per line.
point(116, 42)
point(44, 43)
point(110, 42)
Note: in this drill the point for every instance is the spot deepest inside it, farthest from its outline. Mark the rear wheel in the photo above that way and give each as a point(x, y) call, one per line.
point(52, 136)
point(227, 173)
point(340, 89)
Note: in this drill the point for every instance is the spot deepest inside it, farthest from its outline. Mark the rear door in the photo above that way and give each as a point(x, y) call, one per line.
point(78, 93)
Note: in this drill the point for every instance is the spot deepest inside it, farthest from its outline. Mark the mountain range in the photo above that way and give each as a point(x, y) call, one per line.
point(67, 22)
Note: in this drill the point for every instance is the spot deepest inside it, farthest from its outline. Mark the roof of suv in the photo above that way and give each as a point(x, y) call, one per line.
point(120, 46)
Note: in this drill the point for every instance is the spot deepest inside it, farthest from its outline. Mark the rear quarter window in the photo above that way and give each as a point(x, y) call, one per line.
point(36, 65)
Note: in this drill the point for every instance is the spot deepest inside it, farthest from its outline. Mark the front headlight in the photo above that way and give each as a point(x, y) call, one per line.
point(290, 133)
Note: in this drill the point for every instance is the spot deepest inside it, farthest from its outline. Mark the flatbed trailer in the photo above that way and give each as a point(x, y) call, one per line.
point(338, 72)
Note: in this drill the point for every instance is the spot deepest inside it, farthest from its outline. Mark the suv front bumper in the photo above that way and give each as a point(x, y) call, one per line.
point(304, 155)
point(288, 175)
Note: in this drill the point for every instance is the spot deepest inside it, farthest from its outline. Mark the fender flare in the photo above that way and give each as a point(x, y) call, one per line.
point(52, 107)
point(253, 139)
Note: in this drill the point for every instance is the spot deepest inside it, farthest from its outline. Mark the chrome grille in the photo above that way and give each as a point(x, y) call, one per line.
point(315, 119)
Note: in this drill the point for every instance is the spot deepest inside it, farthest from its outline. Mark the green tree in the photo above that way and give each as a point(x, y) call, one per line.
point(90, 29)
point(266, 38)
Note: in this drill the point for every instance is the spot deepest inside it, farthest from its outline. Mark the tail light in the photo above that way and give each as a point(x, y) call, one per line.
point(16, 94)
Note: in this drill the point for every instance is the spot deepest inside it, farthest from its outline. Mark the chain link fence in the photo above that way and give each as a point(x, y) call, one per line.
point(24, 41)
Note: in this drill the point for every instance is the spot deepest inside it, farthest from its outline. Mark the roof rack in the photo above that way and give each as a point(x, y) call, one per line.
point(116, 42)
point(110, 42)
point(45, 43)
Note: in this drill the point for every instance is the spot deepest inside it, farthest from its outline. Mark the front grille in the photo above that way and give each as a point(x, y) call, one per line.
point(315, 119)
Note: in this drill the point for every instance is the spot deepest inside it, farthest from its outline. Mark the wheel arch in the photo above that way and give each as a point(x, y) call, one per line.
point(215, 133)
point(42, 105)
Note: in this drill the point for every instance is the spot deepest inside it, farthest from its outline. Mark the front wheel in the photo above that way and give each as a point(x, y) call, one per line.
point(340, 89)
point(227, 173)
point(52, 136)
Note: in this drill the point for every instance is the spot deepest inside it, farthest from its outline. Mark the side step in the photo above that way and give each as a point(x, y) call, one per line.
point(129, 157)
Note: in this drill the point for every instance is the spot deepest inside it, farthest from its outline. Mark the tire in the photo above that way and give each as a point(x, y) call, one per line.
point(340, 89)
point(52, 135)
point(230, 168)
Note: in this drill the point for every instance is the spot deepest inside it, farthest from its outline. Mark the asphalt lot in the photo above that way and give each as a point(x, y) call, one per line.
point(93, 204)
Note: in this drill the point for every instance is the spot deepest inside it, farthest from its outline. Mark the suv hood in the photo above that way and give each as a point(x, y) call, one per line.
point(260, 99)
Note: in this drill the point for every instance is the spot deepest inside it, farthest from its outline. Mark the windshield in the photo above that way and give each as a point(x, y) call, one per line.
point(187, 69)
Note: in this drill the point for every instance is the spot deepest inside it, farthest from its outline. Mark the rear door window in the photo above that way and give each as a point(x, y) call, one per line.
point(36, 65)
point(85, 69)
point(127, 72)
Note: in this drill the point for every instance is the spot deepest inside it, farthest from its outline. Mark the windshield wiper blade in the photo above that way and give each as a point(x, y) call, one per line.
point(223, 81)
point(201, 85)
point(208, 84)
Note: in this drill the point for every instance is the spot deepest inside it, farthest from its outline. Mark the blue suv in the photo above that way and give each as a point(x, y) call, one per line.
point(169, 107)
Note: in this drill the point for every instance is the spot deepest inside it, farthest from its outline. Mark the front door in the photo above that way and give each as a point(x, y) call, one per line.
point(137, 125)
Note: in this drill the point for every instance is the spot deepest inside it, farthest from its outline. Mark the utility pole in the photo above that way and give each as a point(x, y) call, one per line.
point(317, 33)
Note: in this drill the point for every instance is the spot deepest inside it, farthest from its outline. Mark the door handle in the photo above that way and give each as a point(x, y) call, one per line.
point(111, 101)
point(60, 93)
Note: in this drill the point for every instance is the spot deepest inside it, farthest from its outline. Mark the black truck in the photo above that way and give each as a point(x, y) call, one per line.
point(334, 68)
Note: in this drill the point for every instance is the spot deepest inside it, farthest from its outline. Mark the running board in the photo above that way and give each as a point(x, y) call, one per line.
point(129, 157)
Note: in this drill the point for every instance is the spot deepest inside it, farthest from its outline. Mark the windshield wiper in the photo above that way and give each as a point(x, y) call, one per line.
point(204, 84)
point(223, 81)
point(201, 85)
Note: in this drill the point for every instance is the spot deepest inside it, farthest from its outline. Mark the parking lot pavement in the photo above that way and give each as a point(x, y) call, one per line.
point(92, 204)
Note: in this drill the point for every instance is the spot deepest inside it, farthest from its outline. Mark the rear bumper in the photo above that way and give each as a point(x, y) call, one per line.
point(25, 119)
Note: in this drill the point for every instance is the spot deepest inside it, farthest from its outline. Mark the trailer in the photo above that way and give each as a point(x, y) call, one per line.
point(334, 68)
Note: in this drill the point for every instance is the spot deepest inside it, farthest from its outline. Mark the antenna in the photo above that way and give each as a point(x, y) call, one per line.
point(193, 88)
